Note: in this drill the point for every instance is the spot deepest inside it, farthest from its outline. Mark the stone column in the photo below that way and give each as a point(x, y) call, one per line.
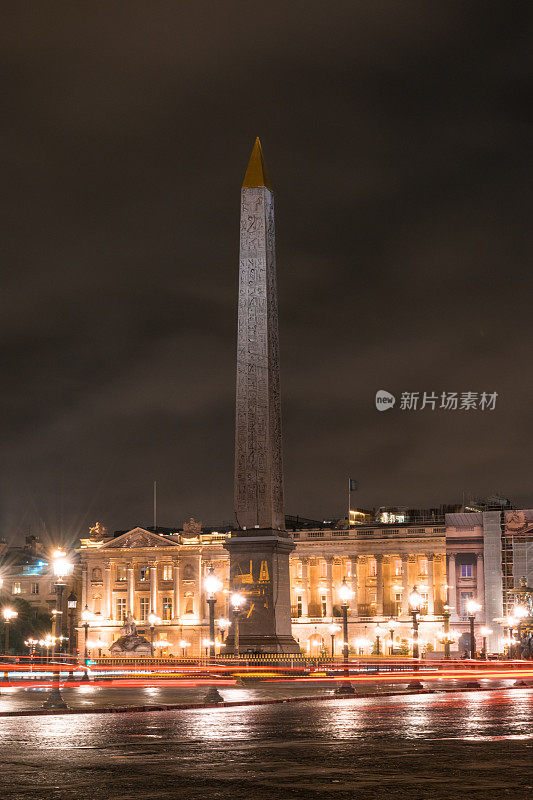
point(354, 606)
point(451, 578)
point(305, 587)
point(176, 601)
point(153, 587)
point(405, 585)
point(431, 583)
point(379, 585)
point(329, 585)
point(108, 611)
point(480, 585)
point(130, 604)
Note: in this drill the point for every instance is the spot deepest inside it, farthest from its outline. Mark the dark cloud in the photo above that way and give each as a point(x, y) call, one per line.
point(397, 137)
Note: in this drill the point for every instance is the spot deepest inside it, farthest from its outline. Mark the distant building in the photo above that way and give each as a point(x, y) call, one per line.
point(141, 571)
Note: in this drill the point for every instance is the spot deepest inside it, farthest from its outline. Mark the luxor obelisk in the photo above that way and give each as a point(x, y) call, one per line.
point(259, 547)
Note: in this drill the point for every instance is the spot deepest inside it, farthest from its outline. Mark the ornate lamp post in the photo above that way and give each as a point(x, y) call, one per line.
point(223, 625)
point(153, 620)
point(392, 624)
point(212, 585)
point(72, 603)
point(345, 594)
point(184, 644)
point(484, 633)
point(62, 567)
point(333, 629)
point(415, 603)
point(472, 607)
point(86, 617)
point(446, 613)
point(8, 614)
point(380, 634)
point(237, 602)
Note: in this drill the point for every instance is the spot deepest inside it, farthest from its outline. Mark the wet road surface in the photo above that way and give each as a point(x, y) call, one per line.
point(477, 745)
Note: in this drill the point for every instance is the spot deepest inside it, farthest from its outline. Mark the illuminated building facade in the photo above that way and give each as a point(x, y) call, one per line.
point(141, 572)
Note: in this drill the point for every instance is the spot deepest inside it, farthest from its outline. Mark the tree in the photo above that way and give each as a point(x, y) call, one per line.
point(30, 622)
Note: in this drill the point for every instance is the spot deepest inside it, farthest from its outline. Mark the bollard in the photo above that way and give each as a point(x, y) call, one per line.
point(213, 696)
point(54, 699)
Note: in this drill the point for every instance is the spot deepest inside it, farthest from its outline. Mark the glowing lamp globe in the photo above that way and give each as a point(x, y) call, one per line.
point(345, 593)
point(237, 600)
point(472, 606)
point(415, 600)
point(212, 584)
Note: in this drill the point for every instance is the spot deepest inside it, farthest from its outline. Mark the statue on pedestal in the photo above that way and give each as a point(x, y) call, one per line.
point(130, 642)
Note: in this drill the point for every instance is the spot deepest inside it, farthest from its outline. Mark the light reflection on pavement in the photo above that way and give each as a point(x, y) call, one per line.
point(437, 746)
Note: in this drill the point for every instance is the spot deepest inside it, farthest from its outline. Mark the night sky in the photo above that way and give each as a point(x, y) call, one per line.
point(397, 138)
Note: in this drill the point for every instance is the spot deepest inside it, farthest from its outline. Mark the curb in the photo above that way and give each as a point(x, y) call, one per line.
point(45, 712)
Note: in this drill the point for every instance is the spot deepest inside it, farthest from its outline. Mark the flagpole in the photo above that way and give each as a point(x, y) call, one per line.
point(349, 500)
point(155, 506)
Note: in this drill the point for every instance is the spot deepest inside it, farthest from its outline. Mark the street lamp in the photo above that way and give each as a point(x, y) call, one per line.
point(485, 632)
point(8, 614)
point(446, 613)
point(212, 585)
point(61, 567)
point(380, 634)
point(86, 617)
point(223, 625)
point(472, 607)
point(184, 644)
point(333, 629)
point(237, 601)
point(153, 619)
point(392, 624)
point(415, 603)
point(345, 594)
point(208, 644)
point(72, 603)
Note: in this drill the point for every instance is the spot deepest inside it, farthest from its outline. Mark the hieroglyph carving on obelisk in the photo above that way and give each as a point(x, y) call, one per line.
point(258, 445)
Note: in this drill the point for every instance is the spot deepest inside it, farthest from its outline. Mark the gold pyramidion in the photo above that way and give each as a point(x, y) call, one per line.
point(256, 171)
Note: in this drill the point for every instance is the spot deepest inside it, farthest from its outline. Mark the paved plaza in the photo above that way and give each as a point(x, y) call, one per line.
point(437, 746)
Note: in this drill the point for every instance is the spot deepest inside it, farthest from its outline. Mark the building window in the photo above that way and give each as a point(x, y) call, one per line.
point(144, 605)
point(167, 572)
point(16, 588)
point(189, 603)
point(323, 605)
point(96, 574)
point(466, 570)
point(465, 597)
point(424, 604)
point(423, 566)
point(167, 608)
point(398, 597)
point(144, 573)
point(323, 569)
point(121, 572)
point(121, 609)
point(349, 569)
point(373, 568)
point(299, 569)
point(34, 588)
point(299, 605)
point(398, 567)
